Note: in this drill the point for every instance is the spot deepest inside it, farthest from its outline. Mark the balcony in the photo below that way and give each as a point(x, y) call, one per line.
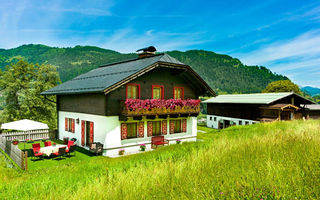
point(152, 107)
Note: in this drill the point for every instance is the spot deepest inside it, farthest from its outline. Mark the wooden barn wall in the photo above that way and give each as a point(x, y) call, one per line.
point(167, 77)
point(83, 103)
point(313, 114)
point(243, 111)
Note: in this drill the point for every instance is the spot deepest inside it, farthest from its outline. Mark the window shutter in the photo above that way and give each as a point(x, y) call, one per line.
point(149, 130)
point(184, 125)
point(164, 127)
point(124, 131)
point(171, 126)
point(91, 132)
point(141, 129)
point(82, 132)
point(66, 124)
point(72, 125)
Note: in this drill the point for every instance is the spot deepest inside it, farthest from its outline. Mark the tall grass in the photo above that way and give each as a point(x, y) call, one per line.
point(263, 161)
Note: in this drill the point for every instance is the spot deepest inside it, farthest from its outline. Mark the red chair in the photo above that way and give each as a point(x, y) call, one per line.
point(61, 152)
point(70, 143)
point(36, 151)
point(48, 143)
point(158, 140)
point(71, 149)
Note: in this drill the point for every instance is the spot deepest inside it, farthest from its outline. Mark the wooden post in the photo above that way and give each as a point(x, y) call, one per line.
point(26, 161)
point(22, 160)
point(279, 116)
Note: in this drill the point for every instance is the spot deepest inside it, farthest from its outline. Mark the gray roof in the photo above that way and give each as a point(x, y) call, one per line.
point(258, 98)
point(313, 107)
point(97, 80)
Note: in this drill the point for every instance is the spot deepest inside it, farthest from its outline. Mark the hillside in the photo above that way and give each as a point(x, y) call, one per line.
point(222, 72)
point(311, 90)
point(263, 161)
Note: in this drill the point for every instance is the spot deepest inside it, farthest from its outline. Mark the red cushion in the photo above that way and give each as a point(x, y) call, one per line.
point(67, 150)
point(56, 153)
point(38, 154)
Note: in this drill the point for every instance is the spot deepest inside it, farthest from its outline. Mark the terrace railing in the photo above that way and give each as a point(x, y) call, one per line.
point(138, 107)
point(29, 135)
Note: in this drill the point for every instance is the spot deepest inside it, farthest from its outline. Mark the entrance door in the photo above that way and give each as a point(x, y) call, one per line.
point(226, 123)
point(86, 133)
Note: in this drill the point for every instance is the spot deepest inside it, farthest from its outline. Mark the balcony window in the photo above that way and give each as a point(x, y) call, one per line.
point(157, 92)
point(133, 91)
point(178, 93)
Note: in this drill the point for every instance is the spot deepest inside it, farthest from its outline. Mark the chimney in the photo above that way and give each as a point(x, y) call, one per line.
point(146, 52)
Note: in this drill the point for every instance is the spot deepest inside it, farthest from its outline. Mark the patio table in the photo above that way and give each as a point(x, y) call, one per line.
point(51, 149)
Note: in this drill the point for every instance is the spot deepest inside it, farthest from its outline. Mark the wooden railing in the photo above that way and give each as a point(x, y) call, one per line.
point(29, 135)
point(191, 110)
point(18, 156)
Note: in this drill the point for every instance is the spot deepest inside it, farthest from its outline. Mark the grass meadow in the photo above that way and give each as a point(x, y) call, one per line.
point(278, 160)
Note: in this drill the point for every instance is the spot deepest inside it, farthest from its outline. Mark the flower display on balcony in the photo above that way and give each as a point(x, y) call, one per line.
point(150, 104)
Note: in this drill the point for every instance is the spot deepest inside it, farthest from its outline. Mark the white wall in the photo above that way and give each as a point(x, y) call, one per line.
point(107, 131)
point(212, 123)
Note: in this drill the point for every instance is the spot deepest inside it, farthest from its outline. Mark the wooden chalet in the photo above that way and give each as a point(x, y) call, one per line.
point(125, 104)
point(242, 109)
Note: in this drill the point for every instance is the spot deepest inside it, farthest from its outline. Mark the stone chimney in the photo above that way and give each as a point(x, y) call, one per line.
point(146, 52)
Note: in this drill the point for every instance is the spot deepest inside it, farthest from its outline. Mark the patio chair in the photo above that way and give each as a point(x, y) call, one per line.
point(70, 143)
point(48, 143)
point(36, 146)
point(71, 149)
point(36, 151)
point(61, 152)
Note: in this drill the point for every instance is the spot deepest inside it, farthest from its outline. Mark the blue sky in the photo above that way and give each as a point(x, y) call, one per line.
point(283, 35)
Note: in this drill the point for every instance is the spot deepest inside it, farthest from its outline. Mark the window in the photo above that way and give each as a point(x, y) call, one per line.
point(178, 93)
point(210, 118)
point(69, 125)
point(247, 122)
point(157, 92)
point(133, 91)
point(156, 128)
point(240, 122)
point(175, 126)
point(215, 119)
point(131, 130)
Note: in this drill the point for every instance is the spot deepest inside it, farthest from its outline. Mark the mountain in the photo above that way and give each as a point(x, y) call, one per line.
point(222, 72)
point(311, 90)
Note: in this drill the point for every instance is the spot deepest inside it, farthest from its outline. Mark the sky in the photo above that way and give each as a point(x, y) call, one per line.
point(283, 35)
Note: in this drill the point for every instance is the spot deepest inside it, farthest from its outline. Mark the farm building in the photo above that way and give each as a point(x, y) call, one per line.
point(242, 109)
point(125, 104)
point(312, 111)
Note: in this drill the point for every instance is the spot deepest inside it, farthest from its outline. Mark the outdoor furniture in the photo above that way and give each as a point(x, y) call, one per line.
point(158, 140)
point(36, 151)
point(70, 143)
point(51, 149)
point(71, 149)
point(96, 148)
point(61, 152)
point(48, 143)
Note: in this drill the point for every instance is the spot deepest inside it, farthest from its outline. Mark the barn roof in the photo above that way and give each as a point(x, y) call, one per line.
point(258, 98)
point(104, 78)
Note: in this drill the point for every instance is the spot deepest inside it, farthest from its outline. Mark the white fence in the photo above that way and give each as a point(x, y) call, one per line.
point(29, 135)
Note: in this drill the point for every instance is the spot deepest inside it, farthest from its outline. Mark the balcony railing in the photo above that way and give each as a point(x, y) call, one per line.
point(139, 107)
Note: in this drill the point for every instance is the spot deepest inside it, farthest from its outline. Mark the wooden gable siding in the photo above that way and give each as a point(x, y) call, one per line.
point(83, 103)
point(242, 111)
point(167, 77)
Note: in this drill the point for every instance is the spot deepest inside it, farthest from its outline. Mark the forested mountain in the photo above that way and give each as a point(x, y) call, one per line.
point(222, 72)
point(311, 90)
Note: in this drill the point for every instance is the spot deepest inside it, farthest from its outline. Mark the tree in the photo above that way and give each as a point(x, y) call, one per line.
point(282, 86)
point(21, 84)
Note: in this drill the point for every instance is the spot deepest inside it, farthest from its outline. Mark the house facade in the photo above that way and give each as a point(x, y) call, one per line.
point(243, 109)
point(125, 104)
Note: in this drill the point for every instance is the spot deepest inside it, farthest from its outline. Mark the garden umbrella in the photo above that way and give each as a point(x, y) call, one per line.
point(24, 125)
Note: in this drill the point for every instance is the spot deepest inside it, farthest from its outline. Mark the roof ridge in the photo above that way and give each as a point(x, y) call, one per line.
point(130, 60)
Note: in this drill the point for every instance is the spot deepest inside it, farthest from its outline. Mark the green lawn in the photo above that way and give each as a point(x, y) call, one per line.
point(263, 161)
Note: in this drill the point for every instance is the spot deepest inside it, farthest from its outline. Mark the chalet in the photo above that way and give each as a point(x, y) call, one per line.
point(125, 104)
point(242, 109)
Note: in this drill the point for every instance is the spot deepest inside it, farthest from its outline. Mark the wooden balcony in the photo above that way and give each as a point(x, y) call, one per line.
point(162, 109)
